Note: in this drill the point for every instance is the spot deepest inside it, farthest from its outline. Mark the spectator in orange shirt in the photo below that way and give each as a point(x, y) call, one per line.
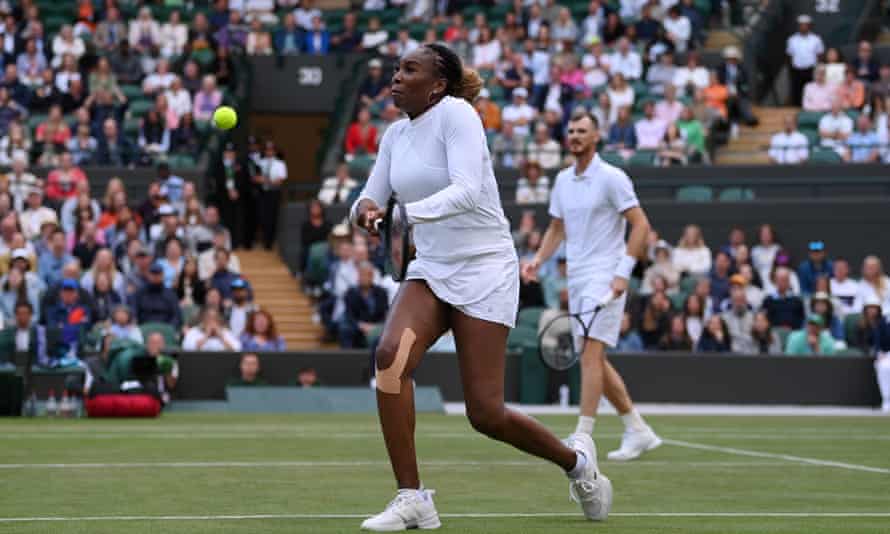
point(716, 94)
point(489, 112)
point(362, 135)
point(62, 182)
point(851, 91)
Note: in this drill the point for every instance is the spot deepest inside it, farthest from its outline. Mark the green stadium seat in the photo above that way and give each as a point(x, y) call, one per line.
point(529, 317)
point(695, 193)
point(851, 325)
point(131, 127)
point(824, 155)
point(688, 283)
point(35, 120)
point(736, 194)
point(642, 158)
point(811, 134)
point(182, 161)
point(140, 107)
point(317, 263)
point(131, 91)
point(613, 158)
point(849, 351)
point(782, 332)
point(171, 338)
point(809, 119)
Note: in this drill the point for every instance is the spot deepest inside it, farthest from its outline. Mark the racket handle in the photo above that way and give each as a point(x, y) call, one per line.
point(377, 224)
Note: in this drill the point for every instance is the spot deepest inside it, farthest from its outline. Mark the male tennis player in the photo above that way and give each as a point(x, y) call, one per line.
point(465, 277)
point(590, 205)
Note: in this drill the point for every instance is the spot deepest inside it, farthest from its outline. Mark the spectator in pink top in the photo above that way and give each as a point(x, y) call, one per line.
point(207, 99)
point(650, 129)
point(818, 94)
point(669, 109)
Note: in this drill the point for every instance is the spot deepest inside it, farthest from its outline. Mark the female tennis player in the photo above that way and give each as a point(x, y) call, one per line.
point(465, 277)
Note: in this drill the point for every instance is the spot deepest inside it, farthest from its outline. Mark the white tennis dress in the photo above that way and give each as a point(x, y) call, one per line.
point(439, 166)
point(592, 208)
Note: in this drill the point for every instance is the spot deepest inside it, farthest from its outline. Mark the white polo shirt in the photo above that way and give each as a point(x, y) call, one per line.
point(804, 50)
point(789, 148)
point(592, 208)
point(833, 124)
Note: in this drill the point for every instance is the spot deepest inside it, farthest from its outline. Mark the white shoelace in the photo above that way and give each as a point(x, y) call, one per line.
point(583, 490)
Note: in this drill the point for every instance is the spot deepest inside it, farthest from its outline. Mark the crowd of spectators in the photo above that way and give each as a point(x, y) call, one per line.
point(637, 68)
point(745, 296)
point(107, 88)
point(848, 98)
point(77, 272)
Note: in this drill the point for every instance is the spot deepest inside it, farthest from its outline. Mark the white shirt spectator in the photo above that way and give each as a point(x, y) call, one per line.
point(75, 47)
point(833, 124)
point(194, 335)
point(630, 65)
point(595, 70)
point(537, 194)
point(680, 29)
point(695, 261)
point(180, 102)
point(618, 100)
point(157, 82)
point(173, 39)
point(304, 16)
point(593, 24)
point(867, 292)
point(371, 40)
point(697, 77)
point(548, 154)
point(539, 63)
point(632, 9)
point(804, 50)
point(487, 54)
point(789, 148)
point(649, 133)
point(375, 5)
point(669, 112)
point(763, 257)
point(847, 294)
point(274, 169)
point(522, 112)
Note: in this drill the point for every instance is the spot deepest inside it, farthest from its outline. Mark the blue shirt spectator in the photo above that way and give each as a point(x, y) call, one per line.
point(288, 40)
point(815, 266)
point(50, 264)
point(317, 41)
point(69, 315)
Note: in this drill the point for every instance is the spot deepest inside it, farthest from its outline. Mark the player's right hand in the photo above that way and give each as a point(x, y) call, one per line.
point(368, 215)
point(529, 270)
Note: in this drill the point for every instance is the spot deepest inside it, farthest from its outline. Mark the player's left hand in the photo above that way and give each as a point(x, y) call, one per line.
point(619, 286)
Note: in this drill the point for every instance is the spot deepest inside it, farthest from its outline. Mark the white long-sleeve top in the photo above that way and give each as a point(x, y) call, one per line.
point(439, 166)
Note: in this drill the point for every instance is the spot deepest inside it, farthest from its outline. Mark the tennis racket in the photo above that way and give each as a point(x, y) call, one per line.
point(558, 346)
point(398, 245)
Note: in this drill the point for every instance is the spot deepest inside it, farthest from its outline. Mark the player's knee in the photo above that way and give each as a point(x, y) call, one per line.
point(385, 354)
point(487, 418)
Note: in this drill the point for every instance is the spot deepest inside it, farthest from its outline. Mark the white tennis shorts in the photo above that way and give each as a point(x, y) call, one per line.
point(484, 287)
point(584, 295)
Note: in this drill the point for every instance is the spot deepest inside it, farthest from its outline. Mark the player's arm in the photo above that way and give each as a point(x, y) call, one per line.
point(555, 234)
point(636, 248)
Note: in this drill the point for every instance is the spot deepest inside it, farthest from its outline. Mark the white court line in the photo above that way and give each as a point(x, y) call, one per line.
point(786, 457)
point(505, 515)
point(370, 463)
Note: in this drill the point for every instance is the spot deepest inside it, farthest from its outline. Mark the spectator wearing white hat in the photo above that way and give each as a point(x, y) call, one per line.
point(663, 267)
point(804, 49)
point(733, 76)
point(519, 113)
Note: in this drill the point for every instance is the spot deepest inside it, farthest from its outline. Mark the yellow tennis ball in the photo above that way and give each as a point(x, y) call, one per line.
point(225, 118)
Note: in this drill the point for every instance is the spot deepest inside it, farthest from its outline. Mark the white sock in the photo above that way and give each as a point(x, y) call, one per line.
point(633, 421)
point(585, 425)
point(580, 464)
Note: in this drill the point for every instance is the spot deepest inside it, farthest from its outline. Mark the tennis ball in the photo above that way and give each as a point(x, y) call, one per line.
point(225, 118)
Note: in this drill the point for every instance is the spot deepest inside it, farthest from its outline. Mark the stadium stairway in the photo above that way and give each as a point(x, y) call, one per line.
point(750, 147)
point(276, 290)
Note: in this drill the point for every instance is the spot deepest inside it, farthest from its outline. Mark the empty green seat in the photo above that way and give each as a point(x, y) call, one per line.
point(317, 263)
point(736, 194)
point(809, 119)
point(695, 193)
point(642, 158)
point(138, 108)
point(529, 317)
point(824, 155)
point(613, 158)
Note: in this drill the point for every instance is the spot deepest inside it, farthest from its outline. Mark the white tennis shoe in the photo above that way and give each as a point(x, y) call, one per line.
point(410, 509)
point(592, 490)
point(634, 443)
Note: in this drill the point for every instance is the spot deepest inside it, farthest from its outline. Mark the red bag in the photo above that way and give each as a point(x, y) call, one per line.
point(121, 405)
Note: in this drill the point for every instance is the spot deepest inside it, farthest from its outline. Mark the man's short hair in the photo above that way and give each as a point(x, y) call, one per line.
point(24, 304)
point(582, 113)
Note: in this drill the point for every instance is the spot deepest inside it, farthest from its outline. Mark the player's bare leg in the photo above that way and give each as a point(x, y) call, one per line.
point(598, 378)
point(417, 319)
point(481, 347)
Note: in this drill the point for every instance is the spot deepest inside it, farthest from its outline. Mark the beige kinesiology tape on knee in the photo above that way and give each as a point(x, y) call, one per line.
point(389, 380)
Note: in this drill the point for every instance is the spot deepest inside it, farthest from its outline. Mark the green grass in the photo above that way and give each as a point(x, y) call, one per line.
point(454, 461)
